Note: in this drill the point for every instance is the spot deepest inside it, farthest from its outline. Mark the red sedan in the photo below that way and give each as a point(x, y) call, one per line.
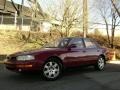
point(55, 56)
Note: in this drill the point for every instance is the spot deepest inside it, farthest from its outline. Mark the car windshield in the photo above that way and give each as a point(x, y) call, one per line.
point(61, 43)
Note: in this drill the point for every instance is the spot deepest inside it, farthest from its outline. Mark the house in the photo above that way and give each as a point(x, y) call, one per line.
point(12, 19)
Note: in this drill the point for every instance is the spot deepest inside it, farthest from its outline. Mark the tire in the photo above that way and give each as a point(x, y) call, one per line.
point(100, 64)
point(52, 69)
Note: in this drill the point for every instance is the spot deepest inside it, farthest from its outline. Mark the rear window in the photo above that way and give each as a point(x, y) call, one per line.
point(89, 43)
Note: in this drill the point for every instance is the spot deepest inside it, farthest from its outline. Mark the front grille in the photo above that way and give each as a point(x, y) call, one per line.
point(13, 58)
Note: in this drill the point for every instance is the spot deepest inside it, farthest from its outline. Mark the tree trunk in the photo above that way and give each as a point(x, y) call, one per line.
point(118, 12)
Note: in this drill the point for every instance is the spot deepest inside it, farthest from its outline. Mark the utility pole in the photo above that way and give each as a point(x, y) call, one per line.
point(22, 4)
point(85, 18)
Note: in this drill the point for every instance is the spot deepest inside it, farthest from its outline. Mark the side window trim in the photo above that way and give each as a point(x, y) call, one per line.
point(97, 45)
point(80, 39)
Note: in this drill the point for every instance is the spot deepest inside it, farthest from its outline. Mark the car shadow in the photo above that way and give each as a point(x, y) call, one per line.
point(71, 73)
point(26, 77)
point(34, 77)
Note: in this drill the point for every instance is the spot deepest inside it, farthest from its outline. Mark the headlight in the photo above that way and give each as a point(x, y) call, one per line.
point(25, 57)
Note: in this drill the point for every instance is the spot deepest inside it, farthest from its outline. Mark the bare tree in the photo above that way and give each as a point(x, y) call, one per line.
point(115, 6)
point(115, 19)
point(103, 10)
point(18, 8)
point(110, 18)
point(67, 13)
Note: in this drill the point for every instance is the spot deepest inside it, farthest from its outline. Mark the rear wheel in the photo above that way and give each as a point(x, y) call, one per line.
point(100, 64)
point(52, 69)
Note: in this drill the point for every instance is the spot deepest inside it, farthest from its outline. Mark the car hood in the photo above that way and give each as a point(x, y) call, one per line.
point(33, 52)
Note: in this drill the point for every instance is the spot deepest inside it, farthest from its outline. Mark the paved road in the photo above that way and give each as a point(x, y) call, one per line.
point(78, 79)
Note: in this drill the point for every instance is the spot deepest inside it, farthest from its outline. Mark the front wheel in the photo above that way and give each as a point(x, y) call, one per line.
point(52, 70)
point(100, 64)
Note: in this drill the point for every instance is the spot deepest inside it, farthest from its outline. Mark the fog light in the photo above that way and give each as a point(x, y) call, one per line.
point(19, 70)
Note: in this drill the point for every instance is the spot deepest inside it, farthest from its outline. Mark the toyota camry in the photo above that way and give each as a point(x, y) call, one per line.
point(55, 56)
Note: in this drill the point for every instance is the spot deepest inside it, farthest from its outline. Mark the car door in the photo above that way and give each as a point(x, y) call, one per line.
point(92, 51)
point(76, 56)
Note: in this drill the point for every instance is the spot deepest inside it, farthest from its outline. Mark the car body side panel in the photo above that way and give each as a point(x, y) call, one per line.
point(74, 57)
point(92, 55)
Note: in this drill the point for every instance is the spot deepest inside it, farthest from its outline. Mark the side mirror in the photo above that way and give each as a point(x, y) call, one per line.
point(72, 46)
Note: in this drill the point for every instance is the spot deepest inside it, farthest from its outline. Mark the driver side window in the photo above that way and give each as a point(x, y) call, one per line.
point(78, 42)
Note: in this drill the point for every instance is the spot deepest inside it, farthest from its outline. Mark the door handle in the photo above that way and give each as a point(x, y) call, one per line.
point(98, 50)
point(84, 51)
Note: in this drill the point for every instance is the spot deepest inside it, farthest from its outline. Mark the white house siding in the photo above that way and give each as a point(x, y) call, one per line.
point(13, 27)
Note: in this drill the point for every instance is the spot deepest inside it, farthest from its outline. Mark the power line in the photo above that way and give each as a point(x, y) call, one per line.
point(85, 18)
point(101, 23)
point(90, 28)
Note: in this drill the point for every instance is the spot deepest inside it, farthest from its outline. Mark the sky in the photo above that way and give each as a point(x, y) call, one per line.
point(19, 2)
point(94, 16)
point(49, 3)
point(91, 10)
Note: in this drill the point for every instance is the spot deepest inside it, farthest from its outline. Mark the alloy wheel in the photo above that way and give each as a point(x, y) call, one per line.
point(101, 63)
point(51, 70)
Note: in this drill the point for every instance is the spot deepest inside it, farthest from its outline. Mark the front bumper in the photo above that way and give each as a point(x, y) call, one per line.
point(23, 66)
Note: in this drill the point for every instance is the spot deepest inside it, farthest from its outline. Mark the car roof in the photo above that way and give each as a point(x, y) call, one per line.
point(76, 38)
